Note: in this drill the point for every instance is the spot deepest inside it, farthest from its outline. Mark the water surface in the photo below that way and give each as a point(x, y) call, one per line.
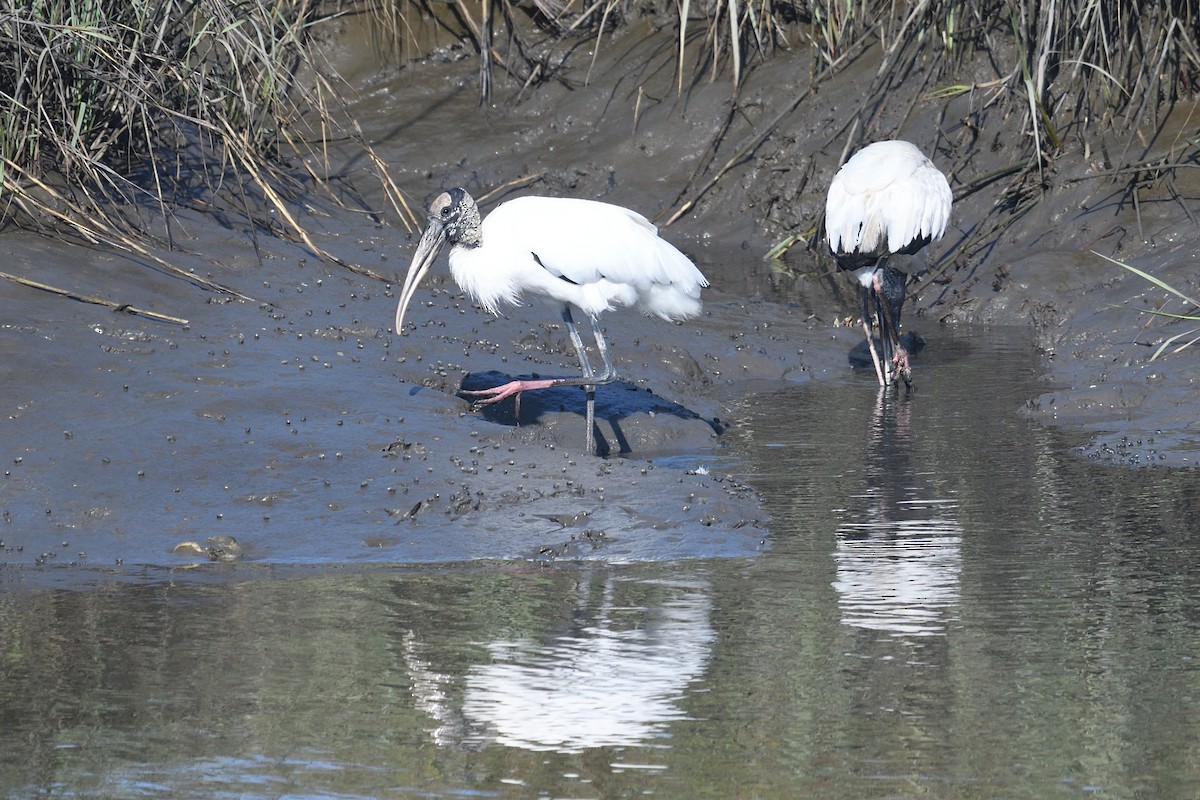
point(952, 605)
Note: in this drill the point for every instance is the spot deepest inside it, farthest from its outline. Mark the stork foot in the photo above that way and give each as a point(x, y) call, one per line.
point(902, 369)
point(486, 397)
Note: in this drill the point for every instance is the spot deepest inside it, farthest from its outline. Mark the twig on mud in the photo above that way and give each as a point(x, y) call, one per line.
point(391, 191)
point(968, 189)
point(516, 183)
point(97, 301)
point(1145, 166)
point(97, 231)
point(744, 152)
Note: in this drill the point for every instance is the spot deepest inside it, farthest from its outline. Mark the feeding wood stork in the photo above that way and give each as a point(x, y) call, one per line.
point(583, 253)
point(887, 199)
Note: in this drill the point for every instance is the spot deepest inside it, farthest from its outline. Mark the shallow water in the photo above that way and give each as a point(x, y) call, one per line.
point(952, 605)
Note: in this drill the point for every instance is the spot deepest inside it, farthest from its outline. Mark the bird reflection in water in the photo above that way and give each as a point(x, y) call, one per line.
point(899, 564)
point(613, 677)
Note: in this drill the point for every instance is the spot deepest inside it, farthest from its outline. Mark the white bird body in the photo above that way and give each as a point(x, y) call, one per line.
point(593, 255)
point(583, 253)
point(888, 198)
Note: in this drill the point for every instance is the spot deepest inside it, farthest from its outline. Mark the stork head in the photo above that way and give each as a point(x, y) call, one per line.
point(454, 218)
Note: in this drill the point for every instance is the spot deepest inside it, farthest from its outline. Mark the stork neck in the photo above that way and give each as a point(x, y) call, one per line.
point(470, 228)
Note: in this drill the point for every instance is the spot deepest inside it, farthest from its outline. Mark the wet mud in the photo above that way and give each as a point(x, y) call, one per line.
point(300, 425)
point(303, 428)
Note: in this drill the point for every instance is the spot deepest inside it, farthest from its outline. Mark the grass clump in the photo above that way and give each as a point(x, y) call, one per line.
point(1189, 337)
point(112, 111)
point(1072, 62)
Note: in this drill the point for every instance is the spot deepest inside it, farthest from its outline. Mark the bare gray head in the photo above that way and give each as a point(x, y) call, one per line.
point(453, 218)
point(456, 212)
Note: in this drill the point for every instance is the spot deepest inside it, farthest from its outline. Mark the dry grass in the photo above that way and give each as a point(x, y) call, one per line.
point(113, 112)
point(1070, 62)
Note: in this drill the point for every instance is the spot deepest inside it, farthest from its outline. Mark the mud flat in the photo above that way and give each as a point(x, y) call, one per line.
point(298, 423)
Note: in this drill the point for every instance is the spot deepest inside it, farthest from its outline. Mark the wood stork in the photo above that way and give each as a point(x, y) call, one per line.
point(887, 199)
point(583, 253)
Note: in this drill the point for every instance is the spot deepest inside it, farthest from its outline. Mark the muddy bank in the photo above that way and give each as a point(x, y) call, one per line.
point(299, 424)
point(627, 136)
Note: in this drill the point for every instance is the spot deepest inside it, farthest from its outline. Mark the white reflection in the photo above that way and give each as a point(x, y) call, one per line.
point(898, 568)
point(903, 580)
point(615, 679)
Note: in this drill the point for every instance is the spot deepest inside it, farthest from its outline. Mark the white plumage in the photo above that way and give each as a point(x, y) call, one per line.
point(610, 256)
point(887, 196)
point(591, 255)
point(887, 199)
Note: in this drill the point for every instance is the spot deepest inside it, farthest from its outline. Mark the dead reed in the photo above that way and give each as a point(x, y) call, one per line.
point(112, 112)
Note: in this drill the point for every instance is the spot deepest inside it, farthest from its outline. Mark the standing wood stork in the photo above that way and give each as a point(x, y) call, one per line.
point(887, 199)
point(583, 253)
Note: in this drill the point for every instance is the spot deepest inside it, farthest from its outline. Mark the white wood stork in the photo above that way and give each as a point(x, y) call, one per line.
point(887, 199)
point(583, 253)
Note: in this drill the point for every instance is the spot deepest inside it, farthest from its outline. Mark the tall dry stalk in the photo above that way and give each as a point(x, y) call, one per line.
point(113, 110)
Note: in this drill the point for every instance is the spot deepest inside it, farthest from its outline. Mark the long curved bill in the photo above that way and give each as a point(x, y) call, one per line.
point(427, 250)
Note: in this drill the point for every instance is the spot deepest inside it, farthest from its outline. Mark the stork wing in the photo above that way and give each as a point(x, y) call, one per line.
point(583, 241)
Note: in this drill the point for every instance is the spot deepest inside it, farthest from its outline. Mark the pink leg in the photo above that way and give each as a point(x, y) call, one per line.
point(588, 381)
point(498, 393)
point(874, 355)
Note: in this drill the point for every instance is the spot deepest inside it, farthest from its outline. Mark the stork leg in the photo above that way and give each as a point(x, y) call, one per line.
point(589, 380)
point(887, 342)
point(890, 285)
point(869, 294)
point(589, 388)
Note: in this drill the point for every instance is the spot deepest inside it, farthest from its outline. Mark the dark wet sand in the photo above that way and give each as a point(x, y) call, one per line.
point(303, 428)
